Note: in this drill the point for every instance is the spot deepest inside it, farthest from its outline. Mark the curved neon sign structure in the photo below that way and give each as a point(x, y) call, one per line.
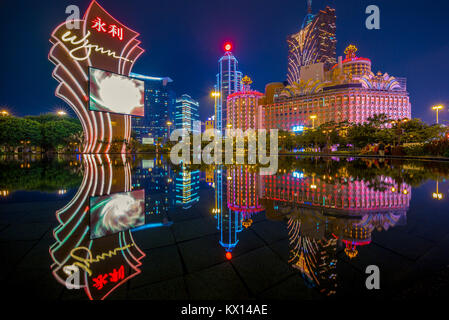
point(104, 43)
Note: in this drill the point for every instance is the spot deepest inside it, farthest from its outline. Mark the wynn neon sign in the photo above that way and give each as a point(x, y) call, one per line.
point(104, 43)
point(84, 44)
point(100, 26)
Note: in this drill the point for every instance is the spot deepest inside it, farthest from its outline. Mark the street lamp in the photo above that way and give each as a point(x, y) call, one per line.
point(61, 113)
point(169, 123)
point(215, 95)
point(4, 113)
point(313, 117)
point(437, 108)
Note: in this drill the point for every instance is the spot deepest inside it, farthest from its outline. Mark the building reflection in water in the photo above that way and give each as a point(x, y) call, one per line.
point(187, 187)
point(236, 201)
point(106, 263)
point(156, 177)
point(323, 212)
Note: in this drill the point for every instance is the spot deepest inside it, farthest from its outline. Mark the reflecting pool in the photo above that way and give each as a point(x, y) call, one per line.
point(137, 227)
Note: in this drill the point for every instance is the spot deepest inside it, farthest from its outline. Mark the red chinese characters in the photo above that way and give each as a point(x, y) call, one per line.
point(114, 31)
point(115, 276)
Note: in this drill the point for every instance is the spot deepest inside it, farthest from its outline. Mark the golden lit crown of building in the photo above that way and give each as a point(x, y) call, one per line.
point(350, 51)
point(246, 80)
point(352, 69)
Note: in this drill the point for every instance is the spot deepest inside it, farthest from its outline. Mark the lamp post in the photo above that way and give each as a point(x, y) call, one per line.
point(437, 108)
point(313, 117)
point(215, 95)
point(4, 113)
point(169, 123)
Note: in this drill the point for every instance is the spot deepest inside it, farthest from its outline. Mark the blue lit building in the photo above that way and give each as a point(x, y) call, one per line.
point(187, 114)
point(229, 80)
point(159, 101)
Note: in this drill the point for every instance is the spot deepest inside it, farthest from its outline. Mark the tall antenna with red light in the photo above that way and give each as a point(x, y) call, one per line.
point(309, 6)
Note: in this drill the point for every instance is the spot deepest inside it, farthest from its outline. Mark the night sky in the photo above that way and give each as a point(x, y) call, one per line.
point(184, 40)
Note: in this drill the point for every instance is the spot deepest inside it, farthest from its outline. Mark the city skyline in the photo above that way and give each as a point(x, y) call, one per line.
point(189, 56)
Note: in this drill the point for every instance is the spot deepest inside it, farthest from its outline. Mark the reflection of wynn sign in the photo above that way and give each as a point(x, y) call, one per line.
point(84, 258)
point(111, 214)
point(104, 43)
point(99, 266)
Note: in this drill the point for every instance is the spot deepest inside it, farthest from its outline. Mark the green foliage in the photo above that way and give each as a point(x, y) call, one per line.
point(375, 130)
point(47, 131)
point(16, 131)
point(57, 133)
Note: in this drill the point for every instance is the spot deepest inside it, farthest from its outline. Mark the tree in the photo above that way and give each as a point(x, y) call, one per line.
point(15, 132)
point(56, 134)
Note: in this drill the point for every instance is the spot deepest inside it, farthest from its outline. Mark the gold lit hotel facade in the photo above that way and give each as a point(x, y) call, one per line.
point(349, 91)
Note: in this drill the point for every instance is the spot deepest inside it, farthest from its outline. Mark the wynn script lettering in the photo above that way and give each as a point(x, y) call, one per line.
point(83, 43)
point(84, 263)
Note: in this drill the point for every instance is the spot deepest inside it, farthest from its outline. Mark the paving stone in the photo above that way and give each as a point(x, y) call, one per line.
point(270, 231)
point(216, 283)
point(260, 269)
point(248, 240)
point(159, 264)
point(403, 243)
point(33, 283)
point(10, 255)
point(23, 232)
point(292, 288)
point(152, 238)
point(173, 289)
point(202, 253)
point(191, 229)
point(281, 248)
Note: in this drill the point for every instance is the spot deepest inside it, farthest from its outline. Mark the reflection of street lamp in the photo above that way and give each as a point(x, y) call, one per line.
point(313, 117)
point(437, 108)
point(437, 195)
point(313, 185)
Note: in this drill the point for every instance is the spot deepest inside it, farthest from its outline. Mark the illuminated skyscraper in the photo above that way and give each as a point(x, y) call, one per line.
point(314, 43)
point(158, 103)
point(186, 114)
point(228, 81)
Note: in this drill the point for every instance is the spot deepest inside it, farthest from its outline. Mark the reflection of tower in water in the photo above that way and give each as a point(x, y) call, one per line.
point(239, 186)
point(313, 253)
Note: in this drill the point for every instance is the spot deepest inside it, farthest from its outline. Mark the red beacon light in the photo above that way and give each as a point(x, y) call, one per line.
point(228, 46)
point(228, 255)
